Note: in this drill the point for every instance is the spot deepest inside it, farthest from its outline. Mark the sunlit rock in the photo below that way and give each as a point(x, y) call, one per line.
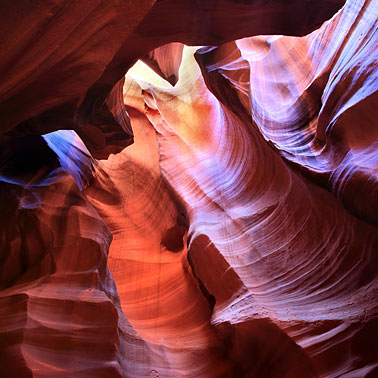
point(199, 212)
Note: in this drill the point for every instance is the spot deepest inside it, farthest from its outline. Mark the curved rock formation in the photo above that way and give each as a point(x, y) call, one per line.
point(62, 49)
point(295, 254)
point(326, 86)
point(211, 215)
point(58, 300)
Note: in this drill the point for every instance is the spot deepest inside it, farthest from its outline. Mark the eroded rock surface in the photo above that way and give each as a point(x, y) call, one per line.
point(214, 215)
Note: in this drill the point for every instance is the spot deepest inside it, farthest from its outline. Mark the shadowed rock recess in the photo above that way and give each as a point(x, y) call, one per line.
point(189, 188)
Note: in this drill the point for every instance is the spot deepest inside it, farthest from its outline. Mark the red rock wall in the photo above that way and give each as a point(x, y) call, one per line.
point(218, 220)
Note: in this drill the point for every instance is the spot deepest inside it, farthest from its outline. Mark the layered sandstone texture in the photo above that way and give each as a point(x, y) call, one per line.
point(189, 189)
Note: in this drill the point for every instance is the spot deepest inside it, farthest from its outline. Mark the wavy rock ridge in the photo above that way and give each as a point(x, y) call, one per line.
point(214, 215)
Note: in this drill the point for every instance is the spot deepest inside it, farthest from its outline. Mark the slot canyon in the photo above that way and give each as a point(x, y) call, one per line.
point(189, 188)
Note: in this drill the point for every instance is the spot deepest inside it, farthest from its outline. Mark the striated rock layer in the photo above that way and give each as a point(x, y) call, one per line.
point(213, 213)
